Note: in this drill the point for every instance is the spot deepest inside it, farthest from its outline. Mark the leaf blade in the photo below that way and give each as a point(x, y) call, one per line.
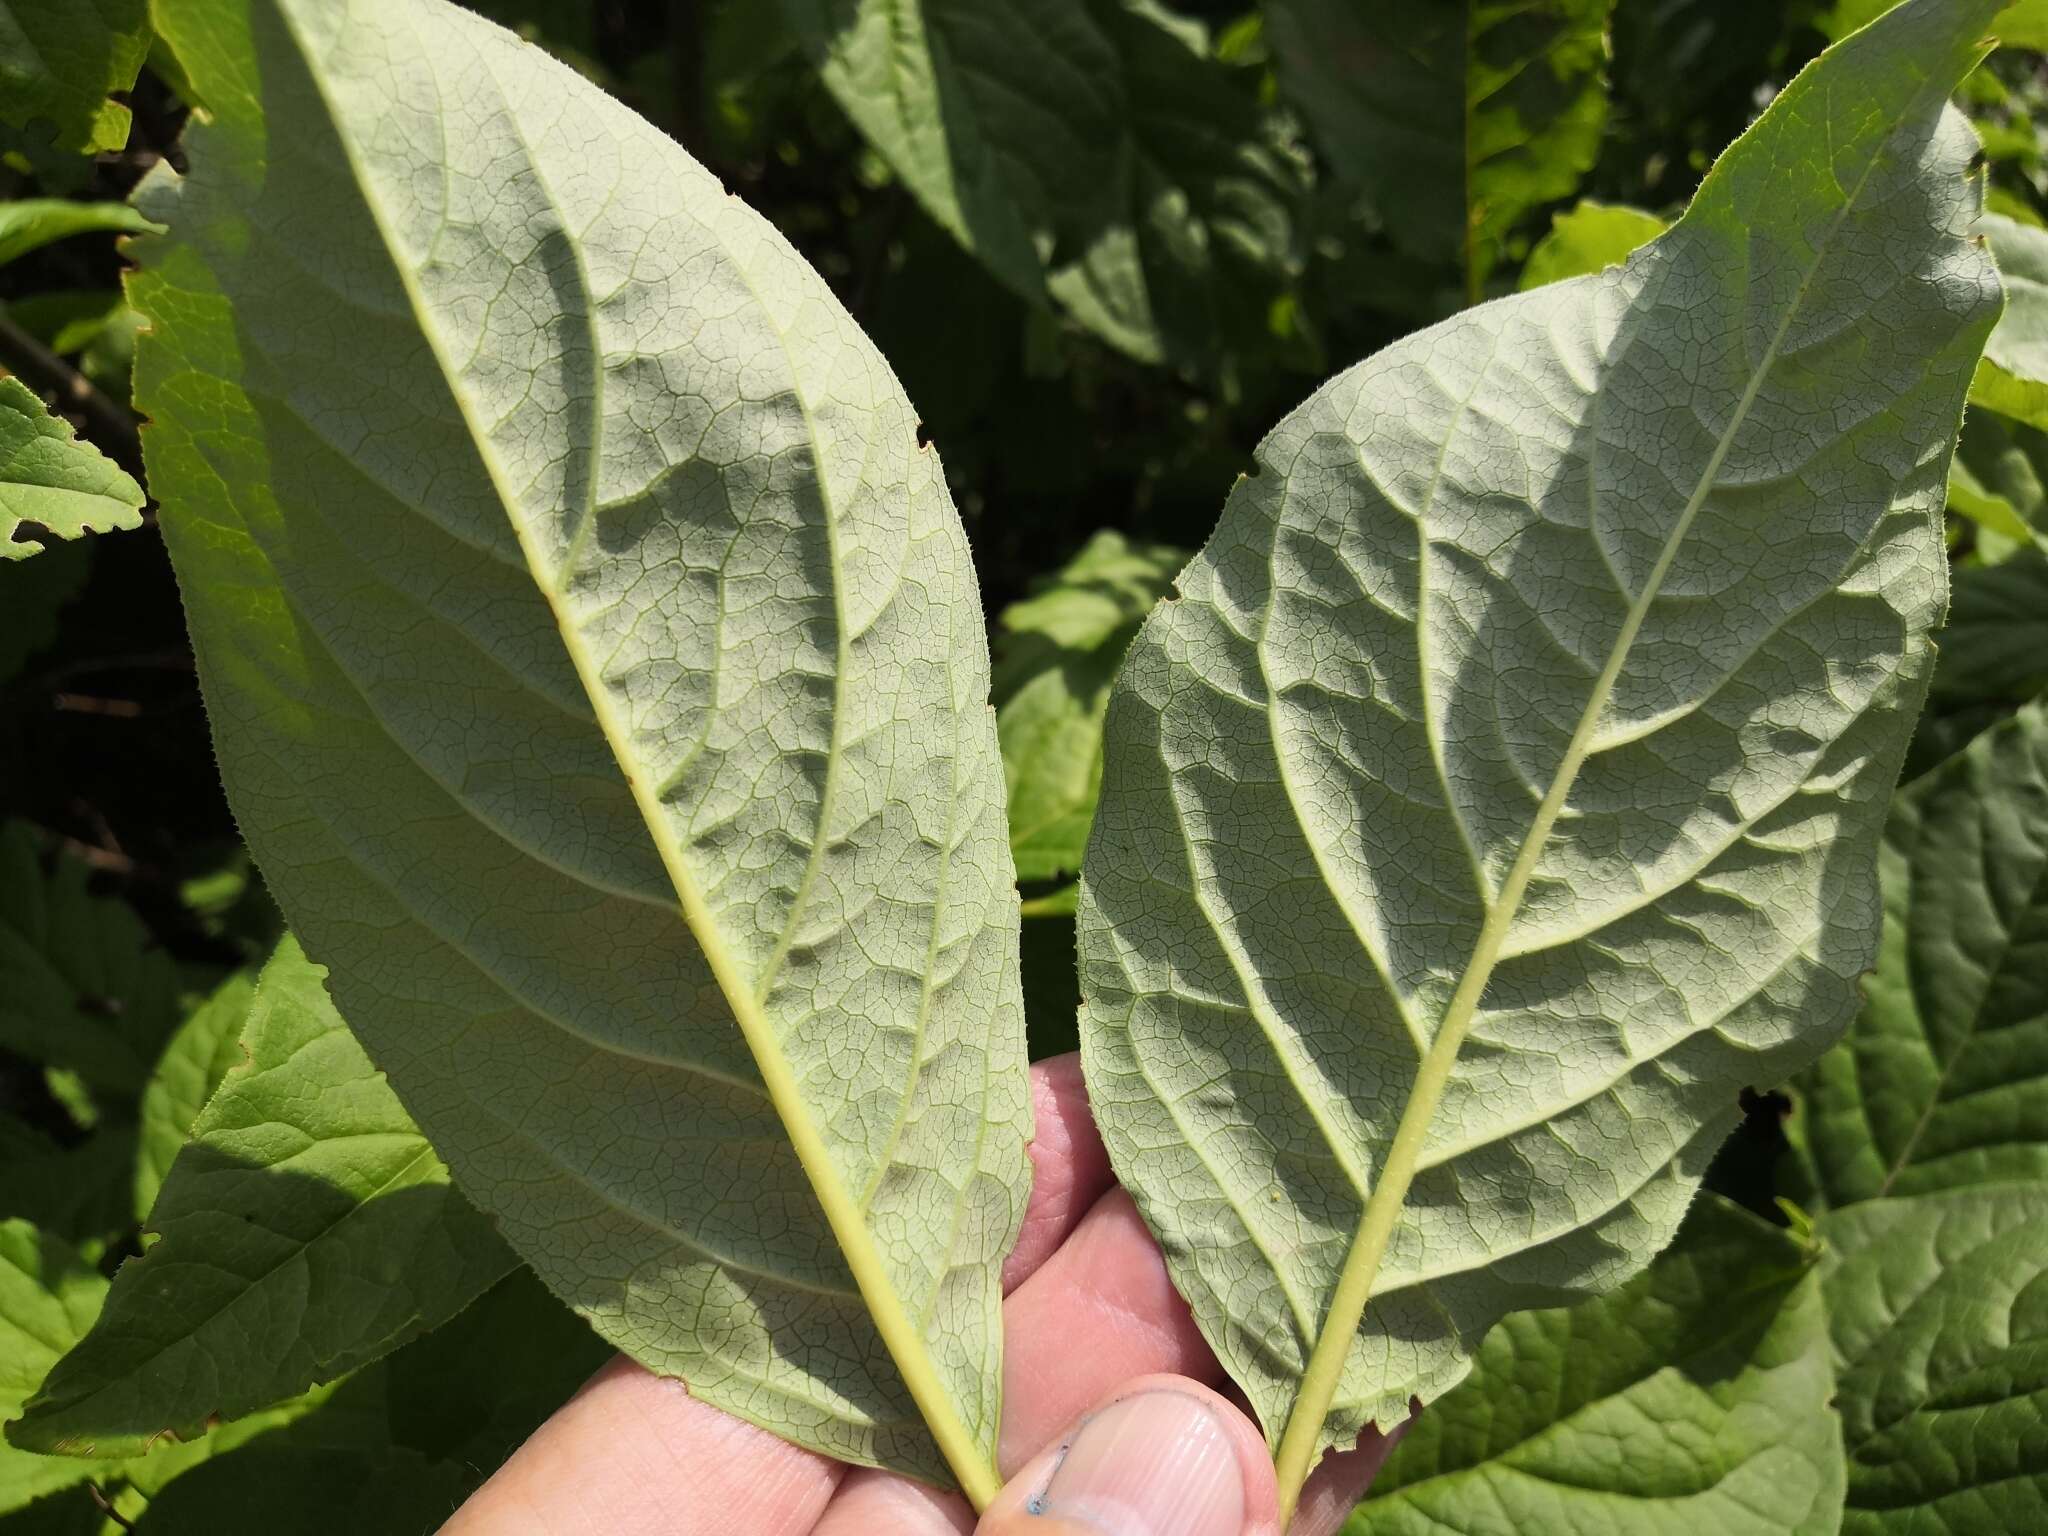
point(675, 559)
point(1432, 882)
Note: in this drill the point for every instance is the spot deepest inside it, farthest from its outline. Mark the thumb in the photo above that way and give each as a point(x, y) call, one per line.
point(1163, 1456)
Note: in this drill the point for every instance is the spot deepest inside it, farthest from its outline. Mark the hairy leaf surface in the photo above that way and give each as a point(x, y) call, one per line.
point(1943, 1080)
point(1503, 793)
point(1938, 1306)
point(305, 1229)
point(51, 476)
point(1452, 120)
point(597, 673)
point(1056, 654)
point(1696, 1397)
point(1089, 152)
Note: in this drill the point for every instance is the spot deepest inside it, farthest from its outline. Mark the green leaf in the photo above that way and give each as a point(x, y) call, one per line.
point(1502, 794)
point(1088, 152)
point(81, 984)
point(61, 59)
point(305, 1229)
point(1055, 656)
point(1941, 1344)
point(32, 596)
point(1994, 648)
point(52, 477)
point(32, 223)
point(48, 1297)
point(1995, 481)
point(1452, 121)
point(2013, 377)
point(1943, 1080)
point(192, 1066)
point(596, 669)
point(1588, 237)
point(1696, 1398)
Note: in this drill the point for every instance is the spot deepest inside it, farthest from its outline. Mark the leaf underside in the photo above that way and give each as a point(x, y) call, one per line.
point(1513, 763)
point(559, 554)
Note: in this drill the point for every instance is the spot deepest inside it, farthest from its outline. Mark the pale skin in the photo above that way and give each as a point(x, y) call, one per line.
point(1100, 1353)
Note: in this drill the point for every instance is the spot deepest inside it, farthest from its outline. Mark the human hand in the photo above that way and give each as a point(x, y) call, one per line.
point(1113, 1424)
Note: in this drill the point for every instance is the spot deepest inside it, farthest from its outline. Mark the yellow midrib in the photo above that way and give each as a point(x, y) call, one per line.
point(905, 1341)
point(1299, 1441)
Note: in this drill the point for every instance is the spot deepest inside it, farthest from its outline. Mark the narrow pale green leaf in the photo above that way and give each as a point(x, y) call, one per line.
point(1502, 794)
point(1452, 120)
point(51, 476)
point(1943, 1080)
point(1089, 152)
point(48, 1298)
point(1056, 653)
point(198, 1056)
point(81, 984)
point(31, 223)
point(1939, 1310)
point(1696, 1398)
point(2013, 377)
point(305, 1229)
point(596, 670)
point(61, 59)
point(1586, 238)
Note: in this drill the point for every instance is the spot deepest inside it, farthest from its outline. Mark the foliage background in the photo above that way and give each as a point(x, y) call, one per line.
point(1274, 250)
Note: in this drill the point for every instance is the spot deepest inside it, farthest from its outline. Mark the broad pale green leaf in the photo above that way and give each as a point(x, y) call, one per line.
point(1056, 653)
point(1452, 120)
point(1588, 237)
point(1943, 1080)
point(81, 985)
point(1938, 1306)
point(32, 223)
point(61, 59)
point(1089, 152)
point(2013, 377)
point(305, 1229)
point(1696, 1397)
point(2022, 24)
point(597, 672)
point(197, 1057)
point(52, 477)
point(48, 1298)
point(1502, 794)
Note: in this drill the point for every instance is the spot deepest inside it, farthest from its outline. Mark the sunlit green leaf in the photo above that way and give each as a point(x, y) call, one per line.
point(184, 1078)
point(1696, 1398)
point(61, 59)
point(32, 223)
point(1086, 151)
point(305, 1229)
point(51, 477)
point(1588, 237)
point(1452, 120)
point(1056, 652)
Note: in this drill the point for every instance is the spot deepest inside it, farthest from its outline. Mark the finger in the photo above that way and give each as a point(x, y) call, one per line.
point(1340, 1480)
point(1099, 1312)
point(635, 1452)
point(870, 1502)
point(1163, 1456)
point(1069, 1168)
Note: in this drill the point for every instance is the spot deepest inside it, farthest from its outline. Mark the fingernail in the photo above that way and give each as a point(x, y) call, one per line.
point(1157, 1464)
